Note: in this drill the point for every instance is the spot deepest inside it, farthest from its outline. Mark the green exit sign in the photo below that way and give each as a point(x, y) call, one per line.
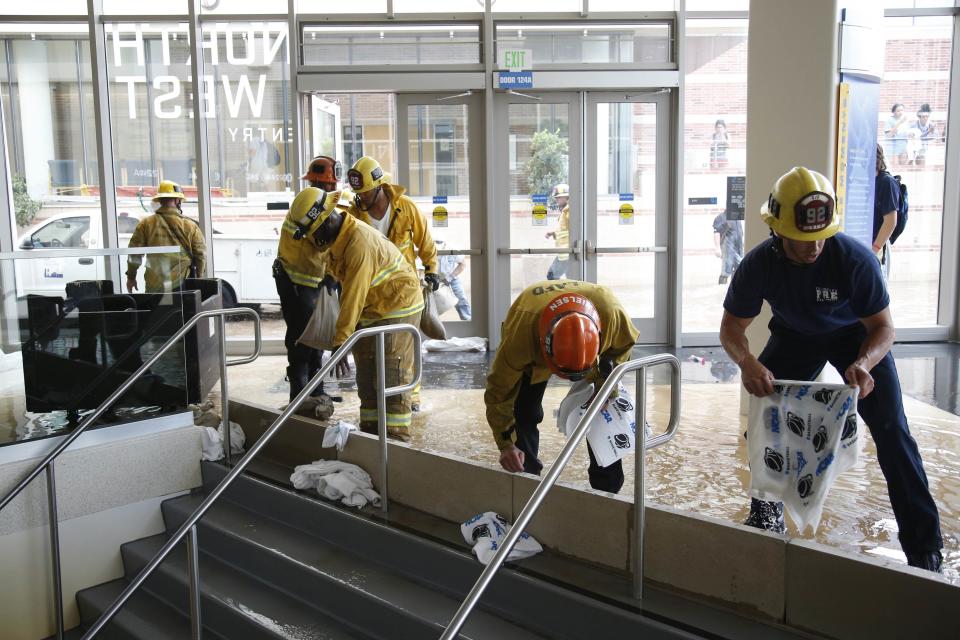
point(516, 59)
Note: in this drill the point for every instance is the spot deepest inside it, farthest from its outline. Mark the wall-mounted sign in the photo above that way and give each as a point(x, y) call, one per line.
point(539, 215)
point(736, 192)
point(439, 199)
point(626, 197)
point(698, 201)
point(440, 216)
point(538, 198)
point(515, 79)
point(516, 59)
point(626, 213)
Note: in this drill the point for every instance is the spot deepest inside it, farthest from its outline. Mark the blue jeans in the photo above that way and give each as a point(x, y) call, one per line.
point(792, 356)
point(463, 305)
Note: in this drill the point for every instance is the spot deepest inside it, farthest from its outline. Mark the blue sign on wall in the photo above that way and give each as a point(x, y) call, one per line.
point(516, 79)
point(857, 155)
point(439, 199)
point(626, 197)
point(540, 198)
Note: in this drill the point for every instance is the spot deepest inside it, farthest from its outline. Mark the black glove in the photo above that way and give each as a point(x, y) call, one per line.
point(330, 284)
point(433, 280)
point(605, 367)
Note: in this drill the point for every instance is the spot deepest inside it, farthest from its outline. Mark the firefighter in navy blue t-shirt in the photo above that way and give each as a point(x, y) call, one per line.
point(830, 304)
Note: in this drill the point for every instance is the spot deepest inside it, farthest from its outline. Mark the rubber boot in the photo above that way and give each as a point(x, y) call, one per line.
point(297, 375)
point(932, 561)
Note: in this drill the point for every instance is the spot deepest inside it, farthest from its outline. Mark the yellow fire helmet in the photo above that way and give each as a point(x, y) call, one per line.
point(366, 174)
point(310, 209)
point(169, 189)
point(802, 206)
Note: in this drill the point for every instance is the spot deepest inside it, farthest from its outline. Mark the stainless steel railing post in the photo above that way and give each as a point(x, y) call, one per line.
point(55, 549)
point(224, 399)
point(528, 511)
point(640, 414)
point(193, 566)
point(382, 420)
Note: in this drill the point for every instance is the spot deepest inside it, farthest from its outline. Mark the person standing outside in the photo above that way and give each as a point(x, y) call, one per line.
point(727, 245)
point(166, 227)
point(299, 273)
point(384, 207)
point(895, 132)
point(379, 287)
point(829, 304)
point(558, 268)
point(572, 329)
point(718, 145)
point(886, 203)
point(451, 266)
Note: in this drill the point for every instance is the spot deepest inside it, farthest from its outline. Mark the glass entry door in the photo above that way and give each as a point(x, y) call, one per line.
point(626, 222)
point(438, 139)
point(539, 229)
point(609, 152)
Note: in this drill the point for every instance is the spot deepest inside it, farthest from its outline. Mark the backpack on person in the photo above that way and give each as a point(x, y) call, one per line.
point(903, 209)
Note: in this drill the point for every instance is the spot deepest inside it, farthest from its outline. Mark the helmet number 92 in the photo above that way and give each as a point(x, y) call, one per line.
point(814, 212)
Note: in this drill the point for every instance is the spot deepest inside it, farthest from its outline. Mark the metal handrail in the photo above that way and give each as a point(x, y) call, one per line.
point(48, 462)
point(188, 528)
point(599, 400)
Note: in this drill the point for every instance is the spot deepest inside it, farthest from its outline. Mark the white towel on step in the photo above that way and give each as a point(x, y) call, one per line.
point(337, 480)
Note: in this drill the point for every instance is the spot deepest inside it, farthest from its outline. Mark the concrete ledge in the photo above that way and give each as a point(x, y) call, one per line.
point(587, 524)
point(740, 567)
point(840, 595)
point(298, 441)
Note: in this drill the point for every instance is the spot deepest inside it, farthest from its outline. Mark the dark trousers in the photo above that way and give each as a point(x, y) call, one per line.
point(791, 356)
point(528, 413)
point(297, 303)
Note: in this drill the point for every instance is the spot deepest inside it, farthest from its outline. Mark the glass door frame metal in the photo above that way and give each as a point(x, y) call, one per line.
point(654, 330)
point(477, 325)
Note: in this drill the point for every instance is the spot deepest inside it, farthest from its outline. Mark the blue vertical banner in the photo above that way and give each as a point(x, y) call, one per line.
point(857, 155)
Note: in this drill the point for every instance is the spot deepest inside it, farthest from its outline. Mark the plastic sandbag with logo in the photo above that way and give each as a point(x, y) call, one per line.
point(486, 531)
point(444, 299)
point(798, 439)
point(323, 323)
point(612, 432)
point(430, 323)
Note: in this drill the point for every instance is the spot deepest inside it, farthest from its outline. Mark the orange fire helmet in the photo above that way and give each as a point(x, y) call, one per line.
point(325, 171)
point(570, 335)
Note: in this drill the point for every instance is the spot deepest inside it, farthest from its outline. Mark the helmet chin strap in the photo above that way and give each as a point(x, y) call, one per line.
point(359, 200)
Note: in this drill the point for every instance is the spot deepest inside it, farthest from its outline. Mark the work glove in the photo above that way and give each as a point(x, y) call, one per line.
point(330, 284)
point(605, 367)
point(433, 280)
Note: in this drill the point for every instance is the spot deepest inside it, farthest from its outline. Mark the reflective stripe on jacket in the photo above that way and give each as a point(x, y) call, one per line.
point(303, 262)
point(377, 282)
point(520, 353)
point(408, 228)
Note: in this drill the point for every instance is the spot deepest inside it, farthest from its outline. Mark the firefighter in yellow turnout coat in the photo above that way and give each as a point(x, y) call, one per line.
point(166, 228)
point(570, 328)
point(384, 207)
point(298, 273)
point(379, 288)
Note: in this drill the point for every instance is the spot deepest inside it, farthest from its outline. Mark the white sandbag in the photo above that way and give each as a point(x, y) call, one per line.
point(211, 441)
point(337, 480)
point(486, 531)
point(444, 298)
point(322, 327)
point(337, 435)
point(456, 344)
point(798, 439)
point(612, 432)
